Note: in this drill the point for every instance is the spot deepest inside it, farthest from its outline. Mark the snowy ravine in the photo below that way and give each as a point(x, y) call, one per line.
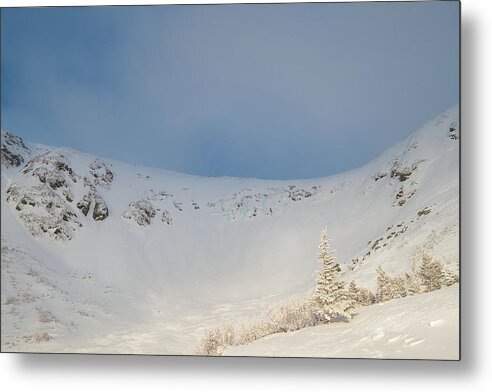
point(108, 257)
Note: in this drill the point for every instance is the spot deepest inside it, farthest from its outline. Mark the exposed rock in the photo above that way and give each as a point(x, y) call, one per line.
point(424, 211)
point(296, 194)
point(162, 195)
point(403, 196)
point(13, 150)
point(11, 159)
point(101, 210)
point(141, 211)
point(68, 195)
point(403, 173)
point(52, 178)
point(43, 211)
point(379, 176)
point(248, 205)
point(453, 131)
point(85, 204)
point(166, 217)
point(376, 245)
point(103, 177)
point(51, 168)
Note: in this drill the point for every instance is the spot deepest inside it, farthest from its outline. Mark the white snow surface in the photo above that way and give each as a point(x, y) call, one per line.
point(179, 253)
point(425, 326)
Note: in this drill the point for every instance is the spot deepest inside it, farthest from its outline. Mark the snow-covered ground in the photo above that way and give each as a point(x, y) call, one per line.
point(419, 327)
point(104, 256)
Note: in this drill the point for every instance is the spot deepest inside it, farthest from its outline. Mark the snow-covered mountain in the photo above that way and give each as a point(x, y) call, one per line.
point(104, 256)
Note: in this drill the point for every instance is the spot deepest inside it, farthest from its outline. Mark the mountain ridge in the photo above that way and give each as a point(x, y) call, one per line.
point(151, 242)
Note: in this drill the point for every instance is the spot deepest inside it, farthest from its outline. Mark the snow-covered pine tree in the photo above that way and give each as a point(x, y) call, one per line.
point(450, 277)
point(389, 288)
point(353, 290)
point(432, 274)
point(361, 295)
point(383, 292)
point(330, 299)
point(413, 283)
point(398, 287)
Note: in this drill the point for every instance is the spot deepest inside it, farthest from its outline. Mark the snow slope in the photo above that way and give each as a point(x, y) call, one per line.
point(425, 326)
point(104, 256)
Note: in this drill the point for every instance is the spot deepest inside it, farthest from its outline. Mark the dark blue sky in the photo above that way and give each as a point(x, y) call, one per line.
point(268, 91)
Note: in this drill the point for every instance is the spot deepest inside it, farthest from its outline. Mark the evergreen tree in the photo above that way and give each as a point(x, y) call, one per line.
point(450, 277)
point(354, 292)
point(361, 295)
point(330, 299)
point(432, 274)
point(398, 287)
point(383, 292)
point(389, 288)
point(413, 283)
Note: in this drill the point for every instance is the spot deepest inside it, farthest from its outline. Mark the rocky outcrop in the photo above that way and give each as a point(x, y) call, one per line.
point(403, 196)
point(84, 205)
point(101, 210)
point(54, 179)
point(246, 204)
point(298, 194)
point(43, 211)
point(13, 150)
point(141, 211)
point(453, 131)
point(51, 168)
point(379, 176)
point(166, 217)
point(45, 203)
point(424, 211)
point(102, 175)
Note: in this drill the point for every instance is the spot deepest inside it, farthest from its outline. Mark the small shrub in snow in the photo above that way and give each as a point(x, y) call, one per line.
point(45, 316)
point(27, 298)
point(37, 337)
point(41, 337)
point(289, 316)
point(83, 313)
point(216, 340)
point(32, 272)
point(12, 300)
point(252, 330)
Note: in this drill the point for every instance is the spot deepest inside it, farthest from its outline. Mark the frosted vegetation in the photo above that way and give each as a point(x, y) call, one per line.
point(332, 300)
